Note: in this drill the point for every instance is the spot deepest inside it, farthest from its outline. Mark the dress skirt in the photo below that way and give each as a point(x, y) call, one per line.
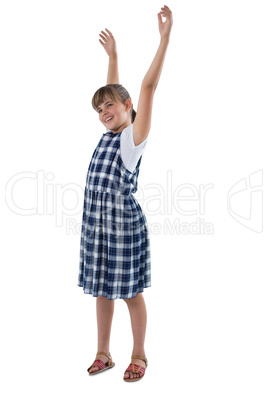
point(115, 257)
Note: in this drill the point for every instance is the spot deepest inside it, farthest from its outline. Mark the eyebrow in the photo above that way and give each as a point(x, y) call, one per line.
point(104, 104)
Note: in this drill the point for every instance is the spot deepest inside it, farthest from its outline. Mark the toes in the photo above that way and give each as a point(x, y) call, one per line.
point(93, 369)
point(131, 375)
point(128, 375)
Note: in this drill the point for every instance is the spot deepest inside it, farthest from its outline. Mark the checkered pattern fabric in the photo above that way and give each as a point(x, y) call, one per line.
point(115, 257)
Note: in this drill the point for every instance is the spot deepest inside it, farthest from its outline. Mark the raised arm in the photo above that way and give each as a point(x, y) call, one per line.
point(109, 44)
point(142, 122)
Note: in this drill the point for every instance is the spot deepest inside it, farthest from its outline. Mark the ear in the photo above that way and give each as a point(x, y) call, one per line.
point(128, 104)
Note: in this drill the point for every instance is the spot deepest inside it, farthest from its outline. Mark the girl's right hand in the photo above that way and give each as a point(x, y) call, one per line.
point(108, 42)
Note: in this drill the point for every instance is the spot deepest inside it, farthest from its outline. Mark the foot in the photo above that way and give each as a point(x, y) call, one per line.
point(103, 358)
point(129, 374)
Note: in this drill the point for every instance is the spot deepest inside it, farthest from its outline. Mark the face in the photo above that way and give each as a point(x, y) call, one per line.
point(115, 115)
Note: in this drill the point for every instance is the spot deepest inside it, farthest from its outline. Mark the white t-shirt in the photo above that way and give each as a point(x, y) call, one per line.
point(130, 153)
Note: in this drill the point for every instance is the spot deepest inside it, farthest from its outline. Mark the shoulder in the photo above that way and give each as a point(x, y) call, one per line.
point(128, 140)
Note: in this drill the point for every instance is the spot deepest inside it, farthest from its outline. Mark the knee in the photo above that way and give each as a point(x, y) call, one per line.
point(132, 299)
point(126, 300)
point(102, 299)
point(129, 301)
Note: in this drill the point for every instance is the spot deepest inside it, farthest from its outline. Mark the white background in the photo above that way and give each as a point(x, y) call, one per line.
point(207, 307)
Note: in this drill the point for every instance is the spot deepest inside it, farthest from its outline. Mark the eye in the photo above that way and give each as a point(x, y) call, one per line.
point(99, 110)
point(110, 104)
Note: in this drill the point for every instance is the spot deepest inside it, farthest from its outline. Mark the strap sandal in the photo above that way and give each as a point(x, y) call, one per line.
point(136, 369)
point(101, 366)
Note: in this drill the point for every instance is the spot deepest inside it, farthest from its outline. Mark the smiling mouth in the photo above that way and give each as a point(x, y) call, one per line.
point(109, 119)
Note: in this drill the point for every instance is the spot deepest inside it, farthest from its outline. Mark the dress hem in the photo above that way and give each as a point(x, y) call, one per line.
point(141, 290)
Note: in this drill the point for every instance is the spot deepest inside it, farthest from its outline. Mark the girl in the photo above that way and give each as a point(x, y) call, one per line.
point(115, 247)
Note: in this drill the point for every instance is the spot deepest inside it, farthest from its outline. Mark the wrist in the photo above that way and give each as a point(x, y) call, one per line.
point(113, 55)
point(164, 39)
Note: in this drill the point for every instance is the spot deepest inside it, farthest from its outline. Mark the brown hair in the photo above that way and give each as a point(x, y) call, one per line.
point(115, 92)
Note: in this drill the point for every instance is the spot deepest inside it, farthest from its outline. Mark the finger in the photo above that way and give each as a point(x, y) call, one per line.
point(105, 34)
point(103, 38)
point(166, 10)
point(110, 33)
point(159, 18)
point(103, 44)
point(165, 15)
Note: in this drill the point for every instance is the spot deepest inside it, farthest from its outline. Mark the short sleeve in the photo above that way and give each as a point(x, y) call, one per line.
point(130, 153)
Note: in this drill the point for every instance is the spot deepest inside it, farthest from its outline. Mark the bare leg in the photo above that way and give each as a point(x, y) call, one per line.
point(105, 310)
point(138, 316)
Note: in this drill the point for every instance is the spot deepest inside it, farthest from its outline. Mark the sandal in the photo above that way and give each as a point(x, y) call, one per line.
point(102, 366)
point(135, 368)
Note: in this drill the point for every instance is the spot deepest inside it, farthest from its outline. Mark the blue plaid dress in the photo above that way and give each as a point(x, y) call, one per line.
point(115, 257)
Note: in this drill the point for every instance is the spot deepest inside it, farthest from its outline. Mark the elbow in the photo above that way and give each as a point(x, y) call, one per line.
point(149, 86)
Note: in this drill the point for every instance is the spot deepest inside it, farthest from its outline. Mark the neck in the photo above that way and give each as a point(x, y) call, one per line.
point(121, 128)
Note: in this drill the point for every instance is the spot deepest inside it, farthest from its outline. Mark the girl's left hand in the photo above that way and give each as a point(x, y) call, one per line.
point(165, 27)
